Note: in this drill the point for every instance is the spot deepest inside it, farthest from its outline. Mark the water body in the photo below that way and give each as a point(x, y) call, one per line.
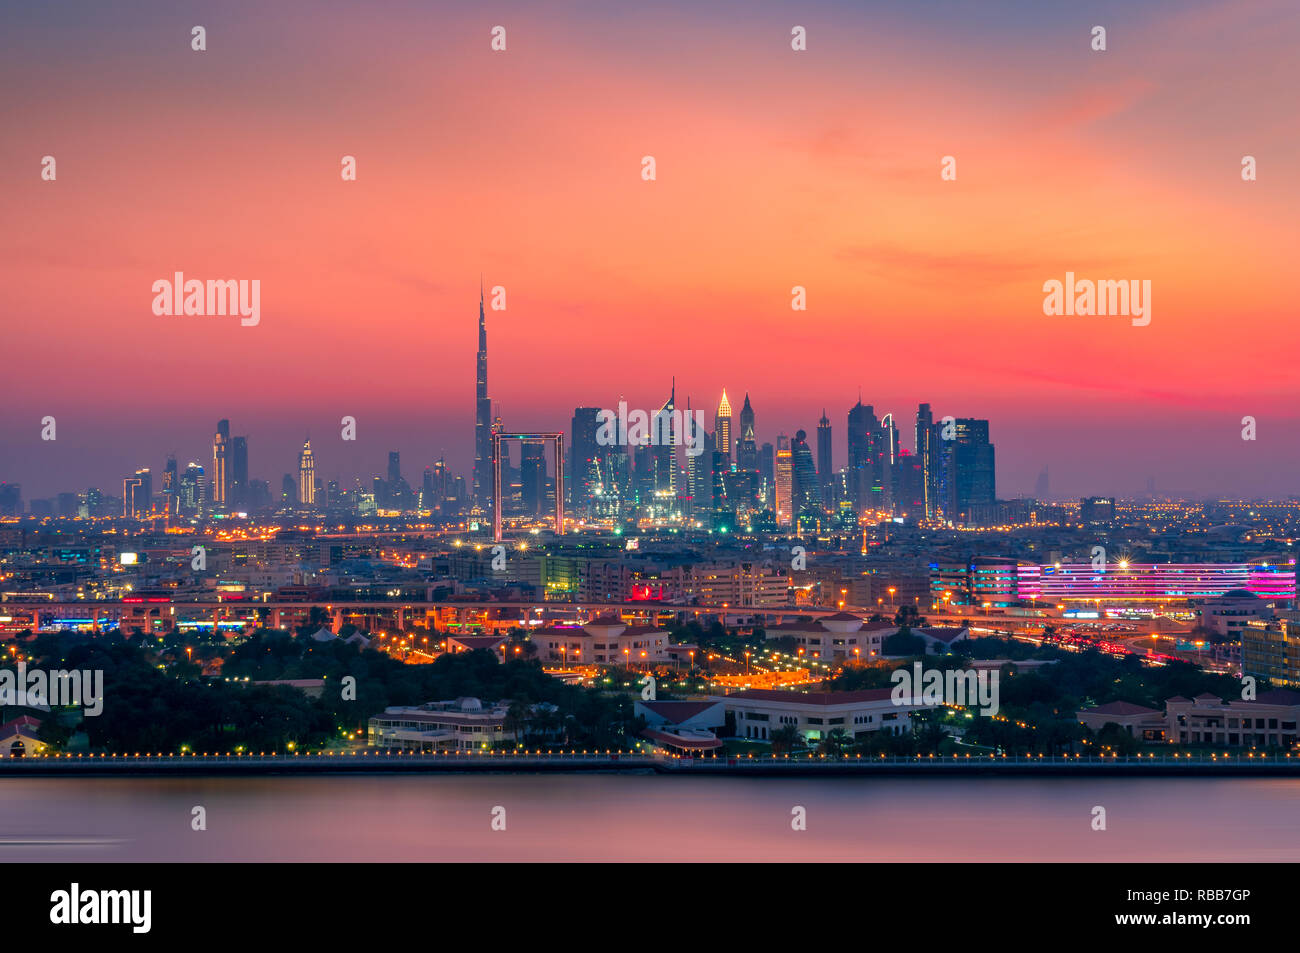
point(647, 818)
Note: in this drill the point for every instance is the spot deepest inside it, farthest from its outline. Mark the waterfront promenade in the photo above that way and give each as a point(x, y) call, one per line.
point(379, 762)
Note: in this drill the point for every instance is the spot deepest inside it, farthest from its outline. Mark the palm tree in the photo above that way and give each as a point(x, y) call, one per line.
point(834, 743)
point(516, 720)
point(785, 739)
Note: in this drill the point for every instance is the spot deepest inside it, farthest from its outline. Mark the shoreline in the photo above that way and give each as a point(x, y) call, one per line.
point(627, 763)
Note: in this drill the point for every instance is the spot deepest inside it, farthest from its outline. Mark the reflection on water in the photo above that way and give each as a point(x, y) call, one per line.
point(646, 817)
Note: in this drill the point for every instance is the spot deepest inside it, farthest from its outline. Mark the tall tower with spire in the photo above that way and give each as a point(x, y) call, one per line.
point(722, 429)
point(482, 414)
point(665, 451)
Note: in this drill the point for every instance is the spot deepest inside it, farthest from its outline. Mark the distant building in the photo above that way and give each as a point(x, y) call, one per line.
point(967, 473)
point(785, 503)
point(220, 443)
point(722, 428)
point(1097, 510)
point(306, 476)
point(1229, 614)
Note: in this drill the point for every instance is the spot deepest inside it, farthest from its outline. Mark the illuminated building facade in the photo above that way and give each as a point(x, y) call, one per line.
point(306, 476)
point(220, 443)
point(784, 481)
point(1124, 582)
point(722, 428)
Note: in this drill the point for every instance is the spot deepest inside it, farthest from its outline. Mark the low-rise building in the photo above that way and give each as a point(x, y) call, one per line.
point(683, 727)
point(941, 638)
point(18, 738)
point(607, 640)
point(465, 724)
point(839, 637)
point(1229, 614)
point(760, 712)
point(1269, 720)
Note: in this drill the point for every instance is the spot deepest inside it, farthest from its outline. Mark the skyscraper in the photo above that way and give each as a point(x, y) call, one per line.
point(482, 415)
point(194, 490)
point(805, 490)
point(925, 457)
point(237, 470)
point(220, 441)
point(131, 495)
point(722, 429)
point(171, 486)
point(584, 458)
point(784, 481)
point(306, 476)
point(967, 469)
point(532, 476)
point(767, 472)
point(825, 458)
point(863, 442)
point(748, 480)
point(665, 449)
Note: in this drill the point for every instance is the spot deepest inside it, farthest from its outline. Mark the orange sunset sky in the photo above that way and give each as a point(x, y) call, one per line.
point(775, 168)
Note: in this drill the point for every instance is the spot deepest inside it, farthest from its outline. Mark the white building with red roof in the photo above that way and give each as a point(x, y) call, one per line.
point(940, 639)
point(839, 637)
point(760, 712)
point(1272, 720)
point(683, 727)
point(607, 640)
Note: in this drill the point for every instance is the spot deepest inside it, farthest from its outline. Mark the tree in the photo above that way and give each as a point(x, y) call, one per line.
point(785, 739)
point(516, 720)
point(903, 642)
point(834, 743)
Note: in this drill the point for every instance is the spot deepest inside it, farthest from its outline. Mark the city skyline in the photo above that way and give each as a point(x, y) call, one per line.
point(842, 453)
